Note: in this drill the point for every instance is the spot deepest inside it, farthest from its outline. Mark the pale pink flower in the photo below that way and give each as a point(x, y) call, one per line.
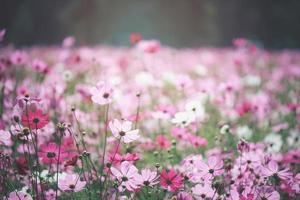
point(214, 167)
point(102, 93)
point(71, 183)
point(68, 42)
point(148, 177)
point(203, 191)
point(19, 195)
point(122, 130)
point(127, 175)
point(184, 196)
point(267, 193)
point(18, 58)
point(272, 170)
point(149, 46)
point(5, 138)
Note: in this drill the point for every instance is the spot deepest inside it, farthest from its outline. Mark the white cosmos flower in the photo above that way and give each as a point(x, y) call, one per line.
point(252, 80)
point(293, 139)
point(123, 130)
point(196, 107)
point(244, 132)
point(183, 118)
point(274, 142)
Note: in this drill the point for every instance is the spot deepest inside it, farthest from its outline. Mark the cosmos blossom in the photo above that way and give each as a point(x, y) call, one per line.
point(35, 119)
point(102, 93)
point(50, 153)
point(203, 191)
point(71, 183)
point(127, 175)
point(148, 177)
point(123, 130)
point(213, 167)
point(272, 169)
point(170, 180)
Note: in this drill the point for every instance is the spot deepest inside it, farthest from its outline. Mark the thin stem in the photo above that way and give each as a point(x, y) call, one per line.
point(137, 111)
point(57, 164)
point(105, 136)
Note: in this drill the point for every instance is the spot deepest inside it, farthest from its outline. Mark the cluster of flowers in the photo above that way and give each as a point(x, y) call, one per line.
point(220, 124)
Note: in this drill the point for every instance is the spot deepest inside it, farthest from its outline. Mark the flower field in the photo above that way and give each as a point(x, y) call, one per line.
point(149, 122)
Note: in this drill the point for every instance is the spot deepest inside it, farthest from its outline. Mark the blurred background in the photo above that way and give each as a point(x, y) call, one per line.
point(179, 23)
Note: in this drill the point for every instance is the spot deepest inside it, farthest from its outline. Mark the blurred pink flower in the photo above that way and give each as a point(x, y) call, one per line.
point(102, 93)
point(5, 138)
point(163, 142)
point(71, 183)
point(149, 46)
point(19, 195)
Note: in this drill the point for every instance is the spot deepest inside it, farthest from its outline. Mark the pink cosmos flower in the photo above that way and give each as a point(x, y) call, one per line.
point(18, 58)
point(49, 153)
point(267, 193)
point(148, 177)
point(39, 65)
point(135, 38)
point(5, 138)
point(35, 119)
point(272, 170)
point(122, 130)
point(184, 196)
point(170, 180)
point(180, 133)
point(71, 183)
point(240, 42)
point(68, 42)
point(149, 46)
point(203, 191)
point(163, 142)
point(214, 167)
point(102, 93)
point(127, 175)
point(197, 141)
point(19, 195)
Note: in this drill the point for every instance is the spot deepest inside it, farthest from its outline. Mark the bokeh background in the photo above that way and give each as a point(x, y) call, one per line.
point(179, 23)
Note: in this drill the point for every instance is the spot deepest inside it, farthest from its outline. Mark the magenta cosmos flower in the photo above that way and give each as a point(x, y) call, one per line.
point(35, 119)
point(71, 183)
point(214, 167)
point(170, 180)
point(122, 130)
point(127, 175)
point(49, 153)
point(102, 93)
